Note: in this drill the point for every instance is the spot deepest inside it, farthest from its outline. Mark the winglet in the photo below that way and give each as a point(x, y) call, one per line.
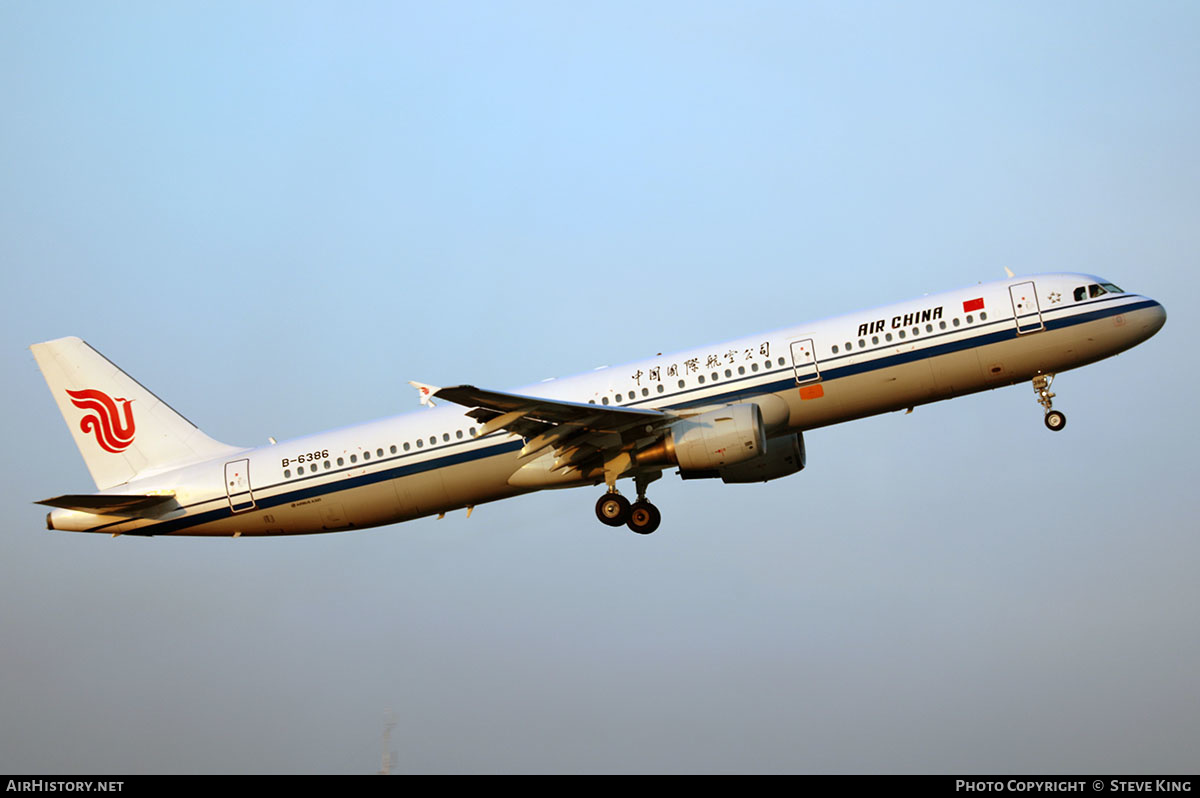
point(426, 391)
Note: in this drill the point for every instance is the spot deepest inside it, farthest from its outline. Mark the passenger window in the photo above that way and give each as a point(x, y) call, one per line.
point(754, 367)
point(327, 465)
point(287, 473)
point(982, 316)
point(835, 349)
point(445, 437)
point(956, 322)
point(970, 319)
point(604, 399)
point(728, 373)
point(901, 333)
point(420, 443)
point(874, 339)
point(458, 434)
point(433, 440)
point(741, 369)
point(353, 458)
point(393, 448)
point(660, 388)
point(406, 448)
point(701, 379)
point(888, 337)
point(645, 392)
point(367, 455)
point(682, 383)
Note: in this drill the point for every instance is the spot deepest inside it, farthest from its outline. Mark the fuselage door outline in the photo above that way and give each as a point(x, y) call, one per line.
point(1026, 312)
point(804, 361)
point(237, 486)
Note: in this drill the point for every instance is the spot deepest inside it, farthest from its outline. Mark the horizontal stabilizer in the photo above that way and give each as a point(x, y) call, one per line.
point(136, 506)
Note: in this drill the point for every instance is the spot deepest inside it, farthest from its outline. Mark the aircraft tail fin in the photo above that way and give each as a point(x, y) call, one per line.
point(122, 429)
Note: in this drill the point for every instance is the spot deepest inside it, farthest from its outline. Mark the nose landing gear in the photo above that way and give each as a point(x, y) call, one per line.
point(1055, 420)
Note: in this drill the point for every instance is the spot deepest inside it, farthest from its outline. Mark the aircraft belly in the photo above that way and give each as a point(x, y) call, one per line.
point(368, 505)
point(482, 481)
point(955, 373)
point(454, 486)
point(421, 493)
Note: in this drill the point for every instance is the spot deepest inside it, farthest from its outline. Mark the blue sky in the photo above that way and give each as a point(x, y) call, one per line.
point(276, 214)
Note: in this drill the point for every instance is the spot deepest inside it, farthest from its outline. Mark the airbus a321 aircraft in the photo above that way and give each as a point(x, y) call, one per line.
point(735, 411)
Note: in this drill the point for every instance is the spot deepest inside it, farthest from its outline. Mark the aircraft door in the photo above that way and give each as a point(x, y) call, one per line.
point(1026, 312)
point(237, 485)
point(804, 360)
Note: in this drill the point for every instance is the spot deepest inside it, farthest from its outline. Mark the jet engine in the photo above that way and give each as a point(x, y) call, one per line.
point(783, 457)
point(712, 440)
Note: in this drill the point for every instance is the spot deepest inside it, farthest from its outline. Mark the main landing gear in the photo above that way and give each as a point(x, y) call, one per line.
point(1055, 420)
point(614, 509)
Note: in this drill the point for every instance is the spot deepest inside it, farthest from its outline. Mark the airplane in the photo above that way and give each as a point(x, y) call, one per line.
point(735, 411)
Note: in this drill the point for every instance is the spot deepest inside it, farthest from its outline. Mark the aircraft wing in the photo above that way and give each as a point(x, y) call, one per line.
point(580, 434)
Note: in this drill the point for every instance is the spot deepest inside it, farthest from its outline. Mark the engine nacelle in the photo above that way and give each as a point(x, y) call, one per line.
point(712, 440)
point(784, 456)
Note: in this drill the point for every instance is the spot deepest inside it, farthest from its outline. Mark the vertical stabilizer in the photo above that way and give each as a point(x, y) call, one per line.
point(122, 429)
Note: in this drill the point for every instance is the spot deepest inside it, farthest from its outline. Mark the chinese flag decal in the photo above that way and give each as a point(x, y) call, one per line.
point(973, 304)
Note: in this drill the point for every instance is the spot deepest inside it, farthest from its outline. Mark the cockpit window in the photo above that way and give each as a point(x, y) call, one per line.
point(1112, 289)
point(1081, 293)
point(1095, 291)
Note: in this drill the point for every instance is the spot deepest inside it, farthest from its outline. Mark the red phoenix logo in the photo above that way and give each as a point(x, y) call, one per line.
point(112, 433)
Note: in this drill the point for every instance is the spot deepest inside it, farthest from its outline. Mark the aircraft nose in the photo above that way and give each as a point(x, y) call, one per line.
point(1156, 317)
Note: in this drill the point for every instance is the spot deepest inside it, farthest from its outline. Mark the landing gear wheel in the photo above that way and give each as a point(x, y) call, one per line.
point(644, 517)
point(612, 509)
point(1055, 420)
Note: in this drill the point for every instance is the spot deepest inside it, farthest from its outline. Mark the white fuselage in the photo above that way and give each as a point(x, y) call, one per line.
point(433, 460)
